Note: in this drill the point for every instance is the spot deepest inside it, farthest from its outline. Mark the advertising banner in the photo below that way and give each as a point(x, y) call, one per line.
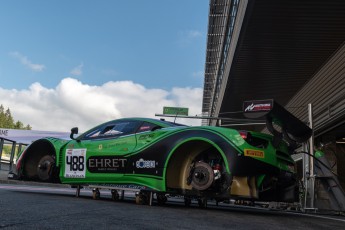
point(28, 136)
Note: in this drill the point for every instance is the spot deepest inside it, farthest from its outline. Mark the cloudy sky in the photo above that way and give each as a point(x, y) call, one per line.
point(83, 62)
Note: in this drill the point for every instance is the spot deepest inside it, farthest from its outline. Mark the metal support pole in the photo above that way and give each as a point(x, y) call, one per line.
point(122, 194)
point(13, 151)
point(311, 158)
point(150, 198)
point(19, 148)
point(305, 179)
point(1, 148)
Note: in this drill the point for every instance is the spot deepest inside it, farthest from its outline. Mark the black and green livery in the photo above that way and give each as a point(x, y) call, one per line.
point(169, 158)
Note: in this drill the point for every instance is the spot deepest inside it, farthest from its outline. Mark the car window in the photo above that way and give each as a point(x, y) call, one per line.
point(146, 126)
point(114, 129)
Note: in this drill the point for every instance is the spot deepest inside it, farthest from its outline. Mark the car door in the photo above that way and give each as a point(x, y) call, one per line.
point(145, 134)
point(104, 148)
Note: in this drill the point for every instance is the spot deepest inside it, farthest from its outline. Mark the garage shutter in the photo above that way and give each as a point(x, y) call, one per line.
point(326, 92)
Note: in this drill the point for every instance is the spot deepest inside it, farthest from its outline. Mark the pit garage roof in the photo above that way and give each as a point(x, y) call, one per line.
point(281, 45)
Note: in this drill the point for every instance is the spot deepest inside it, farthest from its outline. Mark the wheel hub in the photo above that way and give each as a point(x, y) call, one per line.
point(203, 176)
point(44, 168)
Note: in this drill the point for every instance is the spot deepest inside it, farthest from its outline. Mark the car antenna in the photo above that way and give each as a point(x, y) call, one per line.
point(175, 117)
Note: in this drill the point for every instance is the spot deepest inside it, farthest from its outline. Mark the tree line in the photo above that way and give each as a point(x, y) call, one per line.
point(7, 121)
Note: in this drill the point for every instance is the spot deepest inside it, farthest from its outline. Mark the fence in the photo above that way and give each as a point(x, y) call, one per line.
point(14, 148)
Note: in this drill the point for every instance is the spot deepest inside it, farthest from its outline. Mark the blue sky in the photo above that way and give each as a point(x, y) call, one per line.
point(154, 43)
point(50, 49)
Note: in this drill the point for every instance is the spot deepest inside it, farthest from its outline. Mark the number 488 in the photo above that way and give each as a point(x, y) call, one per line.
point(76, 163)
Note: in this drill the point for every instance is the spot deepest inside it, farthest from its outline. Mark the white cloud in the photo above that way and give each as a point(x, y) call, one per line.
point(72, 103)
point(78, 70)
point(26, 62)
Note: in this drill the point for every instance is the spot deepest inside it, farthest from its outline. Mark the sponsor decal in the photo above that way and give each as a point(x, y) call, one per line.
point(254, 153)
point(75, 163)
point(258, 106)
point(106, 164)
point(28, 136)
point(100, 147)
point(145, 136)
point(114, 145)
point(121, 186)
point(175, 111)
point(141, 163)
point(144, 128)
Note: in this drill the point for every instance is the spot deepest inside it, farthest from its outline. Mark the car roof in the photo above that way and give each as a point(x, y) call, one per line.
point(160, 122)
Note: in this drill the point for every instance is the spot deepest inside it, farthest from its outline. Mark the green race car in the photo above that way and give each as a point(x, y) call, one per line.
point(167, 158)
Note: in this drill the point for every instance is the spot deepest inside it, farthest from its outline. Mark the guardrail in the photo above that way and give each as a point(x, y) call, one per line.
point(14, 146)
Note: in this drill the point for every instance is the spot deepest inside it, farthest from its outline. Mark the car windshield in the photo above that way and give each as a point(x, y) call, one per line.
point(112, 129)
point(124, 127)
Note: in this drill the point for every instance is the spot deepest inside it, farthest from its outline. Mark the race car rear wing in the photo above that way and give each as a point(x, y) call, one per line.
point(291, 128)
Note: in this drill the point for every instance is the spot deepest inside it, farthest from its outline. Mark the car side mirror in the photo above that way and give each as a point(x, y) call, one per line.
point(73, 131)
